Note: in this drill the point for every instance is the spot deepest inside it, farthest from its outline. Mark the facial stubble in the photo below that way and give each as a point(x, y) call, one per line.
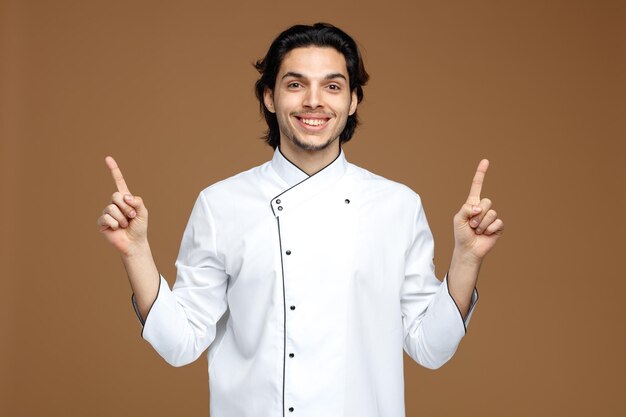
point(309, 146)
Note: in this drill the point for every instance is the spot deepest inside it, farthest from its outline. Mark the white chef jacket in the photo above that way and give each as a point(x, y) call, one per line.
point(305, 290)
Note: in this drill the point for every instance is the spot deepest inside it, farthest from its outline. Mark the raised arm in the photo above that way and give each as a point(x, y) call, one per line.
point(124, 224)
point(476, 230)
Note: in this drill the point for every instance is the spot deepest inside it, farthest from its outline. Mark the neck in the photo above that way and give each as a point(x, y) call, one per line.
point(310, 162)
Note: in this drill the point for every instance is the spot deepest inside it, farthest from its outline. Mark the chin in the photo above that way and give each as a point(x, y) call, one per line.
point(312, 145)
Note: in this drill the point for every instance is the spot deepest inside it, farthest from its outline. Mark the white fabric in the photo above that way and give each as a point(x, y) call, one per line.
point(359, 273)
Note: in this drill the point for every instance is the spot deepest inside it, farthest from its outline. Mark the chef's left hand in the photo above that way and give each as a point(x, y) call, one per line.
point(476, 226)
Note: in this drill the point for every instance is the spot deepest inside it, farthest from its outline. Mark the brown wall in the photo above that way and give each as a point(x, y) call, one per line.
point(536, 86)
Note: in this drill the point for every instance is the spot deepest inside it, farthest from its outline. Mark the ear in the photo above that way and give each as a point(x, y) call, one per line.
point(268, 100)
point(354, 100)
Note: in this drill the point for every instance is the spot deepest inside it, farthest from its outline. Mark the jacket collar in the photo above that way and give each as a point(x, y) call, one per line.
point(287, 170)
point(300, 185)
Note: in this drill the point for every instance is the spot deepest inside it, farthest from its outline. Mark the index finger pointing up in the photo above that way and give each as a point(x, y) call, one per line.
point(117, 175)
point(477, 182)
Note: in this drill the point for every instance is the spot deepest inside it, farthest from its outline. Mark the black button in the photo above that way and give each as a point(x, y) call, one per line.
point(288, 252)
point(278, 201)
point(293, 307)
point(291, 355)
point(290, 408)
point(280, 208)
point(347, 201)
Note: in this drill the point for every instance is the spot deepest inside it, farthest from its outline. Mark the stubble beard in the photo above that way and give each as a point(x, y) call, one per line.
point(310, 146)
point(295, 139)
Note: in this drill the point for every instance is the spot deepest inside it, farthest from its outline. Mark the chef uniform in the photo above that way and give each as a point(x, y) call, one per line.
point(305, 290)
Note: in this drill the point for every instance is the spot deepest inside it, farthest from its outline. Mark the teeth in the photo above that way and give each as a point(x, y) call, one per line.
point(313, 122)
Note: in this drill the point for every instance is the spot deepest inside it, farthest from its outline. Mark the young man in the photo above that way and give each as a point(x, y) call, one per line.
point(307, 276)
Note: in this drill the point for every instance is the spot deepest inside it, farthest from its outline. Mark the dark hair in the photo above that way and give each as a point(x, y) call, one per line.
point(320, 34)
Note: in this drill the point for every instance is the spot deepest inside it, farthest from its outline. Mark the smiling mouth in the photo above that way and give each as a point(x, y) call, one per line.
point(312, 123)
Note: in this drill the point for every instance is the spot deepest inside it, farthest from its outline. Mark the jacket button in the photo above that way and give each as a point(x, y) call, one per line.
point(347, 201)
point(288, 252)
point(291, 355)
point(290, 408)
point(278, 201)
point(293, 307)
point(280, 208)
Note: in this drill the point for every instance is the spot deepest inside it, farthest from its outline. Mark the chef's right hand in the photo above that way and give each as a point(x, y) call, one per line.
point(124, 222)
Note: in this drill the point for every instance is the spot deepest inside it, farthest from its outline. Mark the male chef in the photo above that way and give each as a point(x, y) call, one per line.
point(307, 276)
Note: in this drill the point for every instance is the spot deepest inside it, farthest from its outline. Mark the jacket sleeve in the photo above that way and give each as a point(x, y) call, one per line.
point(433, 324)
point(181, 323)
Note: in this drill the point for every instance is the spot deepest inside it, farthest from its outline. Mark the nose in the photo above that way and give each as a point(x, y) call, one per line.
point(312, 98)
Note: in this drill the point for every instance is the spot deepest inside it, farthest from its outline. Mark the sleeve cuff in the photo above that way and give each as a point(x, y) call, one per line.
point(136, 308)
point(473, 302)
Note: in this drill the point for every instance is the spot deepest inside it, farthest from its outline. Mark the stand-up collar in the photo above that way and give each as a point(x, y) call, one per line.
point(287, 170)
point(300, 185)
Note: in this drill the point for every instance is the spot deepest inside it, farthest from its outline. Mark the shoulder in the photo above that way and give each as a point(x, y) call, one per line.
point(379, 187)
point(246, 184)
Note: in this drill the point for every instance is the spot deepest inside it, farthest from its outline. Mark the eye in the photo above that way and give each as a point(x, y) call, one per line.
point(334, 87)
point(294, 84)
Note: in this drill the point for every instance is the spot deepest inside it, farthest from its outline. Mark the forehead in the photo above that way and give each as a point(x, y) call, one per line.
point(314, 61)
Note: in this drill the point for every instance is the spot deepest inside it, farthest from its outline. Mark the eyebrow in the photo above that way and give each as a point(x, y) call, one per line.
point(330, 76)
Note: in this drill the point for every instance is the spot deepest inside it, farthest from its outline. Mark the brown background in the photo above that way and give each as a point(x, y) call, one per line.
point(536, 86)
